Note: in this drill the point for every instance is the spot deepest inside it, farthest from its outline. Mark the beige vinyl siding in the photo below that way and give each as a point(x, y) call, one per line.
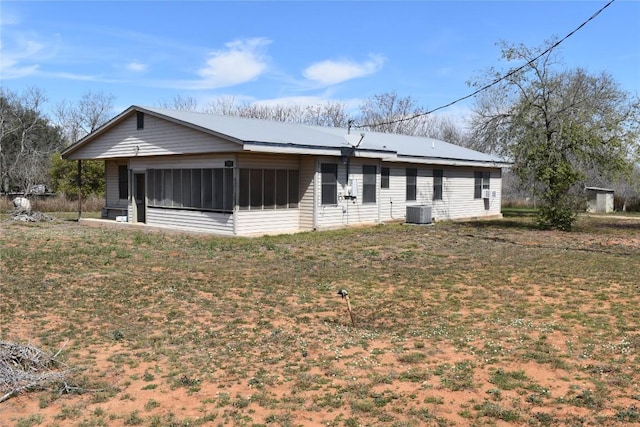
point(267, 221)
point(359, 212)
point(458, 196)
point(202, 221)
point(112, 197)
point(159, 137)
point(457, 193)
point(181, 162)
point(307, 192)
point(346, 211)
point(268, 161)
point(330, 216)
point(392, 199)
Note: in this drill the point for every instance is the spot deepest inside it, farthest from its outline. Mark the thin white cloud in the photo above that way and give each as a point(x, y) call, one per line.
point(18, 60)
point(332, 72)
point(136, 67)
point(241, 61)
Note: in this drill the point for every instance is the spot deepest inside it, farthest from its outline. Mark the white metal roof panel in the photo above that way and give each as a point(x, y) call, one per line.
point(272, 132)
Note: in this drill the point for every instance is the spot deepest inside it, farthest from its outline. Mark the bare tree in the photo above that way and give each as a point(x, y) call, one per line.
point(180, 103)
point(27, 140)
point(390, 113)
point(322, 114)
point(88, 114)
point(386, 112)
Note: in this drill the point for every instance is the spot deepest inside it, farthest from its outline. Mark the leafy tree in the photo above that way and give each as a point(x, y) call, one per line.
point(64, 177)
point(555, 125)
point(27, 140)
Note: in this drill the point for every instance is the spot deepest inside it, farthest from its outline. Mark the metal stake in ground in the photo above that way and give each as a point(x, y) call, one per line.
point(343, 293)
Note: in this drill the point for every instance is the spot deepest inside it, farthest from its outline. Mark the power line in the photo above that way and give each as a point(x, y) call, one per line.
point(495, 82)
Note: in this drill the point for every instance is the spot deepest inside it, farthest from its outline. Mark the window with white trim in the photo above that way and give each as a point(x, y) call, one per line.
point(369, 183)
point(412, 183)
point(384, 177)
point(437, 184)
point(482, 181)
point(329, 177)
point(123, 182)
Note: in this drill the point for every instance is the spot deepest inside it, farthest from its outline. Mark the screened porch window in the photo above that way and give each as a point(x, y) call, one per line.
point(197, 189)
point(268, 189)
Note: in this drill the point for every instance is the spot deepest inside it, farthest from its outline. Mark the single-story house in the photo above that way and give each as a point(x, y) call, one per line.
point(237, 176)
point(599, 200)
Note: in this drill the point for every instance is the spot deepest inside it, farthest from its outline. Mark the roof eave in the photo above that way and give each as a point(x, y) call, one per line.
point(453, 162)
point(289, 148)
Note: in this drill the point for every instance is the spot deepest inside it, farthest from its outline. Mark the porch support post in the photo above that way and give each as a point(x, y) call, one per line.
point(79, 189)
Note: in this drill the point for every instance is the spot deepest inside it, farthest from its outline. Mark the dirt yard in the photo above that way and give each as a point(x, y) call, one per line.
point(456, 324)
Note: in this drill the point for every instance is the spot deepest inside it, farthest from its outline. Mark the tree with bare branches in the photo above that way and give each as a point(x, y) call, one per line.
point(27, 140)
point(87, 115)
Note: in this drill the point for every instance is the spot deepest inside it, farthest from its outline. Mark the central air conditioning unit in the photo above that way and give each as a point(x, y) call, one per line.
point(419, 214)
point(486, 194)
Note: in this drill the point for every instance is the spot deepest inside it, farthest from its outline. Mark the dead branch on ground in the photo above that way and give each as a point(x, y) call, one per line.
point(24, 367)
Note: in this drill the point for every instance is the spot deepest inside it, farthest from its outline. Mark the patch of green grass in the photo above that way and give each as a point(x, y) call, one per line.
point(458, 376)
point(494, 410)
point(30, 421)
point(508, 380)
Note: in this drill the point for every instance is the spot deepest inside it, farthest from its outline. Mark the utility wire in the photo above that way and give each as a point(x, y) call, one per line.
point(495, 82)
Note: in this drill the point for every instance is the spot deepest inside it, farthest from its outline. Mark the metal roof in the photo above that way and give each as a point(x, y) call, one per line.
point(254, 132)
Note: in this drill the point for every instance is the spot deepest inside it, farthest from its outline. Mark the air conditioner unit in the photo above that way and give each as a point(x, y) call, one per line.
point(419, 214)
point(486, 194)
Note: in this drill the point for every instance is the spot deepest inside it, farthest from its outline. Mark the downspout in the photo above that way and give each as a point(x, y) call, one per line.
point(315, 205)
point(236, 195)
point(79, 189)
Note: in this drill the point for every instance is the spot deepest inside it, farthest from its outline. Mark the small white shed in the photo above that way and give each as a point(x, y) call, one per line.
point(599, 200)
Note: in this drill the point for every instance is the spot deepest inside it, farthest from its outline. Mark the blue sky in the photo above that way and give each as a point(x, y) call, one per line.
point(307, 52)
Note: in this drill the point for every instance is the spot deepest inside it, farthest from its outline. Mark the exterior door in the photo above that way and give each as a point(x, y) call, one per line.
point(139, 192)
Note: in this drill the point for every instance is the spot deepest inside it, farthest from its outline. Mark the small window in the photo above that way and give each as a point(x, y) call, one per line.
point(369, 184)
point(412, 183)
point(481, 182)
point(140, 120)
point(329, 176)
point(123, 182)
point(437, 184)
point(384, 178)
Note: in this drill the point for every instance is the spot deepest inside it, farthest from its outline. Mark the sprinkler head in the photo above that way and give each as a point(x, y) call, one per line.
point(343, 293)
